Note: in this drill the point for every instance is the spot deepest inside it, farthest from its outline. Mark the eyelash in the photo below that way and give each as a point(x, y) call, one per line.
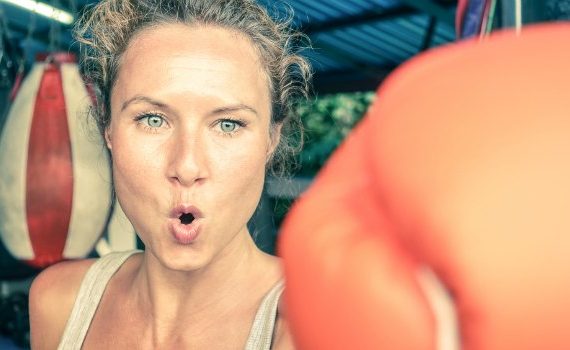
point(146, 115)
point(240, 123)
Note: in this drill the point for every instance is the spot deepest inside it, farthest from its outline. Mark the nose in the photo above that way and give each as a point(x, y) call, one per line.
point(187, 158)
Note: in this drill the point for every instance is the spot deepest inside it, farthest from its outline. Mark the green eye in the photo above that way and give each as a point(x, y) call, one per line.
point(228, 125)
point(154, 121)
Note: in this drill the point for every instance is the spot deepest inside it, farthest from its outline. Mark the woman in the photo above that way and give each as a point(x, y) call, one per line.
point(192, 97)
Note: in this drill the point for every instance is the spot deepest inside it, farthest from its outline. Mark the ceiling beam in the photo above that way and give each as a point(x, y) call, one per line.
point(432, 8)
point(349, 59)
point(359, 19)
point(441, 11)
point(348, 81)
point(428, 35)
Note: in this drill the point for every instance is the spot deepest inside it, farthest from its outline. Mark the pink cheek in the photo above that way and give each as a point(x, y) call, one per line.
point(246, 163)
point(131, 164)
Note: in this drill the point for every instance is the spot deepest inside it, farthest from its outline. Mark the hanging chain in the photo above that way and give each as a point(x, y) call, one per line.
point(73, 5)
point(31, 29)
point(54, 31)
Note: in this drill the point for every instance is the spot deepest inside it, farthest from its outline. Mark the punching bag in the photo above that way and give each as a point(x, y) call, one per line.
point(454, 191)
point(10, 72)
point(55, 183)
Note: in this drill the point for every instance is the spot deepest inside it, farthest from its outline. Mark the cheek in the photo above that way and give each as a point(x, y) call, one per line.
point(135, 164)
point(242, 169)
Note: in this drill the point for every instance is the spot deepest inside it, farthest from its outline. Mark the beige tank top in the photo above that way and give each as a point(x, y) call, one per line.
point(99, 274)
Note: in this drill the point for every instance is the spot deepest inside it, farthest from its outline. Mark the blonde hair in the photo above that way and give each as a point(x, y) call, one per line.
point(106, 29)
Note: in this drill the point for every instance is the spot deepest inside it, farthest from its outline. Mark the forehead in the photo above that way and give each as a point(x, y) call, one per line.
point(206, 61)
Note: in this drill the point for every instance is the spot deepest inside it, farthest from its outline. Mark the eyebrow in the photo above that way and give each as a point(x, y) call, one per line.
point(234, 108)
point(220, 110)
point(140, 98)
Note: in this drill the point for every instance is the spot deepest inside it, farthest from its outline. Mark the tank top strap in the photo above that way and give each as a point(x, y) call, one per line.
point(261, 334)
point(88, 298)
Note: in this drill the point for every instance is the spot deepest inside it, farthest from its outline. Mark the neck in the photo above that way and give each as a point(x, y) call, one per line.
point(171, 298)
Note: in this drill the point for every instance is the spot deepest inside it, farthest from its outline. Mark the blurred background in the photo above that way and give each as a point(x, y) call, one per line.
point(355, 44)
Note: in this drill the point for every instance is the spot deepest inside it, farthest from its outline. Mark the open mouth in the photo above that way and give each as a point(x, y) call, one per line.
point(186, 218)
point(184, 223)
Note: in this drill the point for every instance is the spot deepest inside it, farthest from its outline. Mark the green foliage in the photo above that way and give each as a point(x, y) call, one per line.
point(327, 120)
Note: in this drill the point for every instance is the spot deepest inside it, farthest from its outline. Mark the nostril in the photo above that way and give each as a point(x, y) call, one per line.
point(186, 219)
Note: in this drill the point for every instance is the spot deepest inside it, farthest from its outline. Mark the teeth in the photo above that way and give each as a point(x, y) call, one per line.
point(186, 218)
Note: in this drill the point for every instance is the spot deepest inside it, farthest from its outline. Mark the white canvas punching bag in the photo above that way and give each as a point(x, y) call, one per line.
point(55, 181)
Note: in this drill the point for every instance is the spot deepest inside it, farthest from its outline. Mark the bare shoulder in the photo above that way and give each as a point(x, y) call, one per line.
point(52, 296)
point(283, 339)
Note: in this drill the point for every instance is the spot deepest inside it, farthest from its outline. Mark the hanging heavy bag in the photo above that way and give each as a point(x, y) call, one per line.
point(10, 58)
point(55, 186)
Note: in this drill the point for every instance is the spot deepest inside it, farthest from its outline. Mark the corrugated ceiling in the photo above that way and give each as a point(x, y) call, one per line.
point(355, 43)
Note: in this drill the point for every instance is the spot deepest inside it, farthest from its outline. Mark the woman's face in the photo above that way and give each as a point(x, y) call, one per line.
point(190, 138)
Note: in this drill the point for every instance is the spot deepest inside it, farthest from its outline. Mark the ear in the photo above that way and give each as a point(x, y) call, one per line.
point(108, 138)
point(275, 137)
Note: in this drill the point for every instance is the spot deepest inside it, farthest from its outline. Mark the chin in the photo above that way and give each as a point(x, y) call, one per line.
point(183, 258)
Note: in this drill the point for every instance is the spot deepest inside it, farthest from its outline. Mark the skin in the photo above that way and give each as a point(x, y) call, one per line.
point(190, 125)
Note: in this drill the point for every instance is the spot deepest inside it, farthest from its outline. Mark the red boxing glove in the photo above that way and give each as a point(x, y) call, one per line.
point(460, 170)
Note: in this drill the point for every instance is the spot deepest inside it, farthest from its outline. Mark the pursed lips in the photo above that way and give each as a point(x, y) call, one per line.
point(184, 223)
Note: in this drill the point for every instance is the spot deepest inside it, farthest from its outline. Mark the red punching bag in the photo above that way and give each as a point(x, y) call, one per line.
point(55, 188)
point(455, 185)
